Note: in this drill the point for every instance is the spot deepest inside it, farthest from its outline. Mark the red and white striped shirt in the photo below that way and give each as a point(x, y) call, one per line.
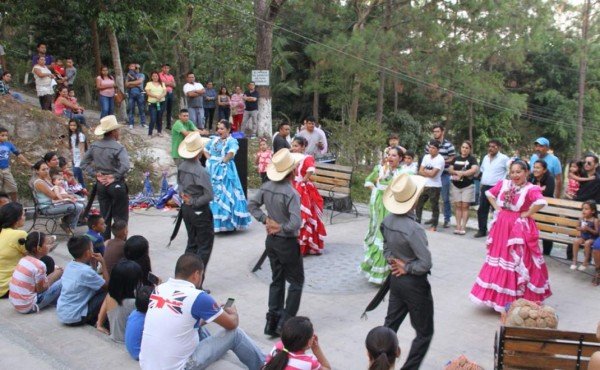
point(296, 360)
point(28, 273)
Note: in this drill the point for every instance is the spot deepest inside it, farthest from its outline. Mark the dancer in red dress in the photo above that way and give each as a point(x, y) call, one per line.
point(514, 265)
point(312, 231)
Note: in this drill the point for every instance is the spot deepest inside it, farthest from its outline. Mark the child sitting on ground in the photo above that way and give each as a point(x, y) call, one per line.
point(96, 227)
point(120, 301)
point(297, 336)
point(588, 226)
point(263, 158)
point(73, 100)
point(135, 322)
point(382, 348)
point(115, 247)
point(30, 289)
point(83, 290)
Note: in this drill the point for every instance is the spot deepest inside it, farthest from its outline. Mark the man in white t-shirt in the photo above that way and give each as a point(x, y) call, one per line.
point(174, 333)
point(431, 168)
point(194, 92)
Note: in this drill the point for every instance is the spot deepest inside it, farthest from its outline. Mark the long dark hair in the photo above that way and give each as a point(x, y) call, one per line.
point(10, 214)
point(125, 279)
point(295, 335)
point(35, 239)
point(382, 346)
point(137, 249)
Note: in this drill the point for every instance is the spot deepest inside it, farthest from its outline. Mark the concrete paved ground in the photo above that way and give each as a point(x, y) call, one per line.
point(335, 296)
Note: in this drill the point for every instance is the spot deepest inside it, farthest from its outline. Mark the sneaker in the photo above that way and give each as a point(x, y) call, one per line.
point(131, 127)
point(573, 267)
point(480, 234)
point(428, 222)
point(582, 267)
point(446, 224)
point(144, 126)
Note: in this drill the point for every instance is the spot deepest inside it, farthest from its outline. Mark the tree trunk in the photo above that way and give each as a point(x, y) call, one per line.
point(265, 16)
point(315, 105)
point(470, 105)
point(181, 54)
point(582, 77)
point(387, 14)
point(121, 112)
point(355, 98)
point(96, 45)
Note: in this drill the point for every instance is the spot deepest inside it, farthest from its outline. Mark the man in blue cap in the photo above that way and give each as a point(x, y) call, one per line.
point(542, 145)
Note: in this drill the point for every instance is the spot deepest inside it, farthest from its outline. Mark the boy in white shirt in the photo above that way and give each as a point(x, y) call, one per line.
point(431, 168)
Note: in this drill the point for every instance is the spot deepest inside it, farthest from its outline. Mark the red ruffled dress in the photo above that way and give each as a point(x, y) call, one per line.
point(514, 265)
point(312, 231)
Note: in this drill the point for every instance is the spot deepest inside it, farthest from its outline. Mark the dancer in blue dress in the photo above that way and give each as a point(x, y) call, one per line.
point(229, 204)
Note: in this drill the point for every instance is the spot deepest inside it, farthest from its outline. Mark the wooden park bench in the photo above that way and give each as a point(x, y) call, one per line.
point(334, 182)
point(533, 348)
point(558, 220)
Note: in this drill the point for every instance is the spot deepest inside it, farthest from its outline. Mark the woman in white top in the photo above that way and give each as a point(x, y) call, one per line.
point(43, 83)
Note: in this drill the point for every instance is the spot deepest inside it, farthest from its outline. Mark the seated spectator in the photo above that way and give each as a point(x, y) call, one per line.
point(589, 189)
point(5, 87)
point(12, 241)
point(297, 337)
point(135, 322)
point(49, 204)
point(52, 160)
point(115, 247)
point(31, 288)
point(382, 348)
point(83, 290)
point(96, 227)
point(63, 107)
point(137, 249)
point(588, 233)
point(171, 338)
point(120, 301)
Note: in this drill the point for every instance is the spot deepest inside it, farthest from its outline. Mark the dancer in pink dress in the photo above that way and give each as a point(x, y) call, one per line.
point(514, 265)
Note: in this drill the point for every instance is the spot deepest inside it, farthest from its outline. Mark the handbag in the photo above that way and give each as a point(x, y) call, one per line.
point(119, 97)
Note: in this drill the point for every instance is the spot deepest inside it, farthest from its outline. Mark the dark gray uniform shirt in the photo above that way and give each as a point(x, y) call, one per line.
point(405, 239)
point(108, 157)
point(283, 206)
point(194, 180)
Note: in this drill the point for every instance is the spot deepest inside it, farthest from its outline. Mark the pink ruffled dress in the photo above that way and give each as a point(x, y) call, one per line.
point(514, 265)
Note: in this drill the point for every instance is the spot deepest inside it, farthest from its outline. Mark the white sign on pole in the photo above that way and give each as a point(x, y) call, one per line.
point(260, 77)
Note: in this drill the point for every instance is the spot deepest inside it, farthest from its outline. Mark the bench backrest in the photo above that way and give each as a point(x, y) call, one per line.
point(332, 177)
point(532, 348)
point(560, 216)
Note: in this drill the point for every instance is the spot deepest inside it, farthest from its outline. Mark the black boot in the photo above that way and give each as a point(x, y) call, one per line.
point(271, 325)
point(284, 317)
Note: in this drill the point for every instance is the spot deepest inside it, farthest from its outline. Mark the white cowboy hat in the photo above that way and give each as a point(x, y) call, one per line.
point(282, 163)
point(107, 124)
point(401, 195)
point(192, 145)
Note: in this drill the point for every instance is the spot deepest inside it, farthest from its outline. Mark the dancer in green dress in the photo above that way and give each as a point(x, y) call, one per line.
point(374, 264)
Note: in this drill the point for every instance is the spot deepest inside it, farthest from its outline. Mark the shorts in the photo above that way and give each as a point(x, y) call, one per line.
point(7, 181)
point(596, 245)
point(465, 195)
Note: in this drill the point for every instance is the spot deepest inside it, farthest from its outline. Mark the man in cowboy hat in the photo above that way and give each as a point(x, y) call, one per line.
point(283, 227)
point(196, 194)
point(108, 162)
point(405, 249)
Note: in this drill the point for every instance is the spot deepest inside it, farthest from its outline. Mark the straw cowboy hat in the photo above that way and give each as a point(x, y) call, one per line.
point(282, 163)
point(401, 195)
point(107, 124)
point(192, 145)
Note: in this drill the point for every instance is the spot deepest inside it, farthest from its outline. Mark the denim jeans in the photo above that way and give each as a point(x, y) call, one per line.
point(224, 113)
point(446, 196)
point(197, 116)
point(78, 173)
point(107, 106)
point(50, 296)
point(155, 117)
point(168, 109)
point(76, 116)
point(73, 211)
point(18, 97)
point(136, 98)
point(212, 347)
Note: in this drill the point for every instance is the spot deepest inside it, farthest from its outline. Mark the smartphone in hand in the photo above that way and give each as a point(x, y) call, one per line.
point(229, 302)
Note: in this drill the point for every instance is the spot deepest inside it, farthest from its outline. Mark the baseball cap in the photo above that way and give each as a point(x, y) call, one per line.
point(542, 141)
